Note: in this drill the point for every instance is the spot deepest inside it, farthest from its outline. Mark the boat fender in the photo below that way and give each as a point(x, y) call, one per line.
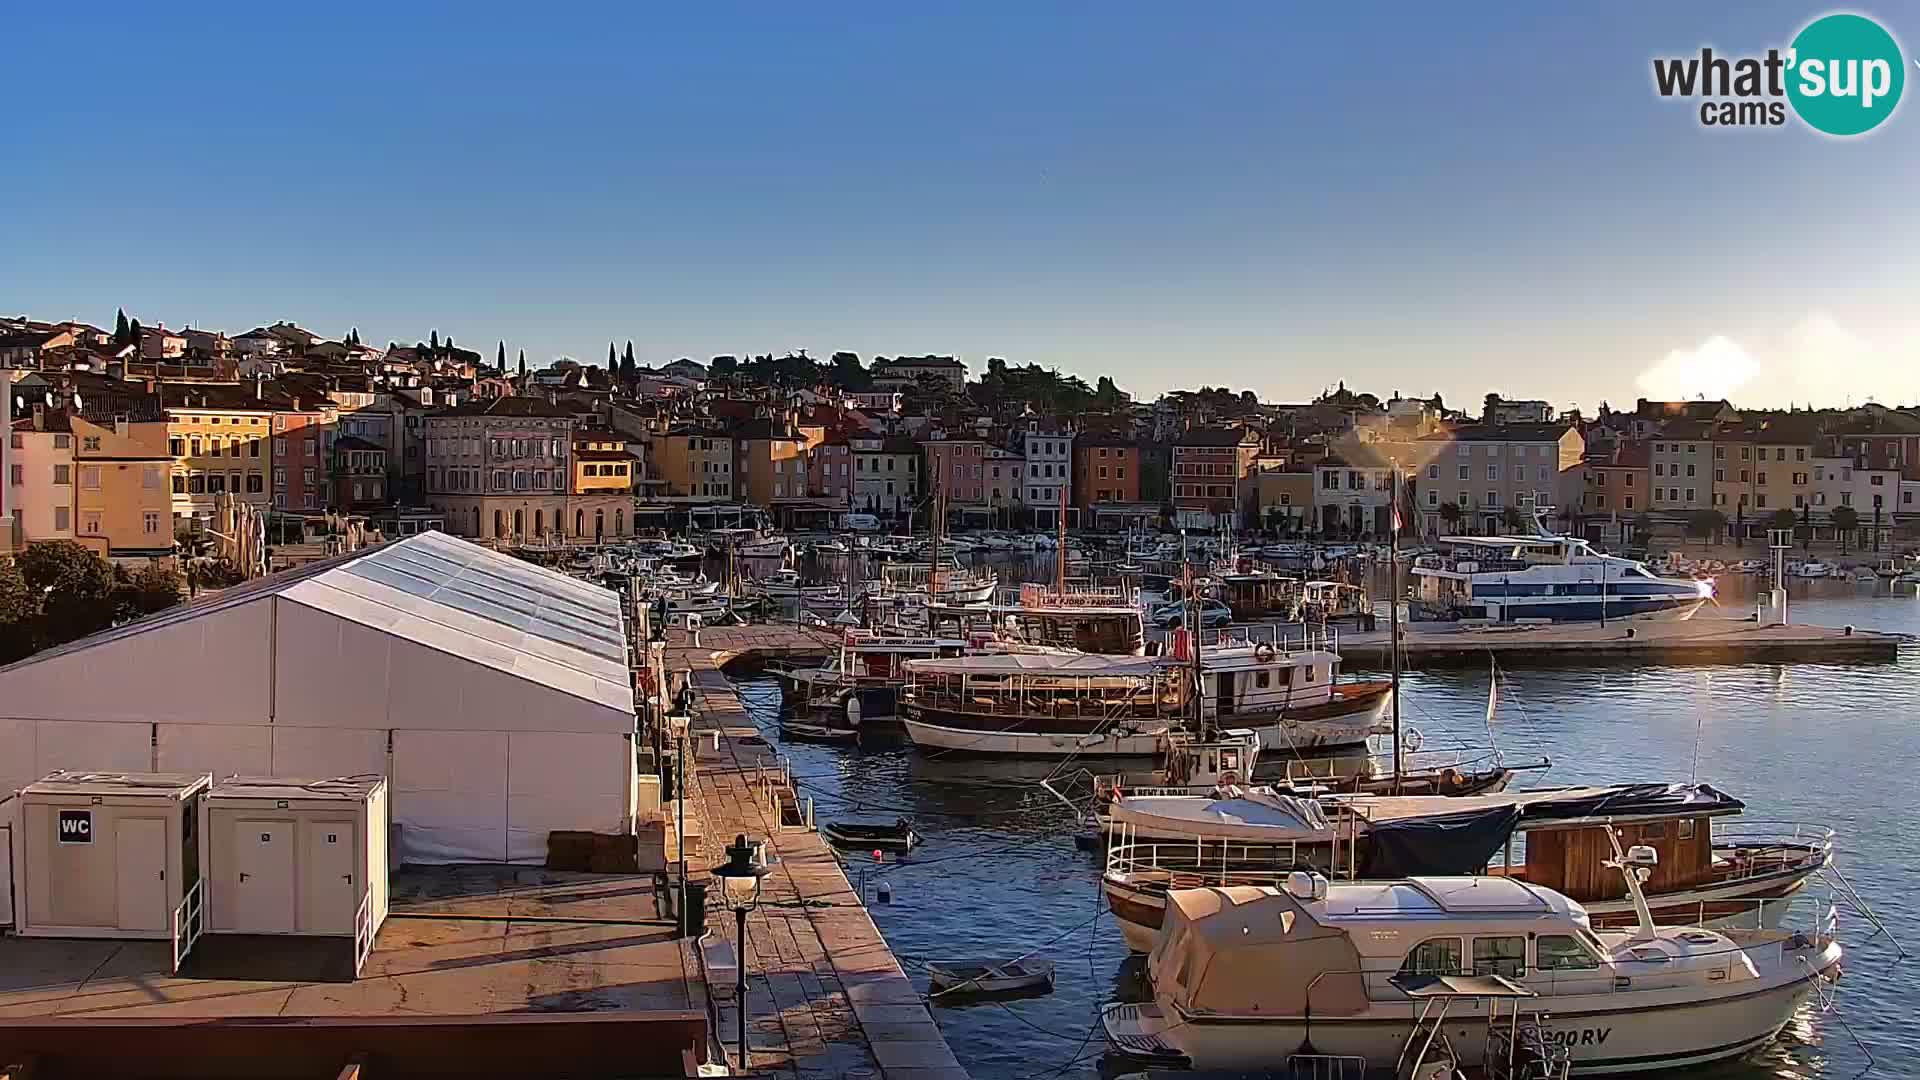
point(883, 893)
point(1263, 653)
point(853, 710)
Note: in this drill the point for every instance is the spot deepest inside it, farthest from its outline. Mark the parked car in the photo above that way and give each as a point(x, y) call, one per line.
point(1213, 614)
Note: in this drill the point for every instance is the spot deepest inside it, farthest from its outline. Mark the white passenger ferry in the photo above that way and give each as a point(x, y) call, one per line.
point(1560, 578)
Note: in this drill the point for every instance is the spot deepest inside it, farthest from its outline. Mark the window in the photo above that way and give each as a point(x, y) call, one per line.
point(62, 519)
point(63, 474)
point(1433, 498)
point(152, 523)
point(307, 475)
point(1435, 956)
point(1799, 453)
point(1876, 480)
point(1626, 502)
point(1500, 956)
point(1659, 469)
point(1433, 472)
point(90, 477)
point(1763, 479)
point(253, 447)
point(279, 446)
point(1493, 498)
point(62, 442)
point(279, 477)
point(1563, 952)
point(1493, 471)
point(233, 448)
point(1779, 453)
point(1464, 475)
point(176, 446)
point(1263, 679)
point(1760, 501)
point(1120, 472)
point(1719, 476)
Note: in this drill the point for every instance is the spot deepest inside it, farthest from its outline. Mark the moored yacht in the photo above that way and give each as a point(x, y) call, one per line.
point(1252, 977)
point(1560, 578)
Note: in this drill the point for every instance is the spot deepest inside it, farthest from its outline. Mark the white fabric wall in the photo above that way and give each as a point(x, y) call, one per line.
point(211, 669)
point(450, 797)
point(485, 763)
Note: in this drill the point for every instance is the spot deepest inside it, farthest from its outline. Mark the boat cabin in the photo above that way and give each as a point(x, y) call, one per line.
point(1258, 595)
point(1264, 674)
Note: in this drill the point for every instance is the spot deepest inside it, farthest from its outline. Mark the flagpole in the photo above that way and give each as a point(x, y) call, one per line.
point(1393, 617)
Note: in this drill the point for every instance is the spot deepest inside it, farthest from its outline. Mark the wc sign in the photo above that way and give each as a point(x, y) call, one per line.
point(76, 826)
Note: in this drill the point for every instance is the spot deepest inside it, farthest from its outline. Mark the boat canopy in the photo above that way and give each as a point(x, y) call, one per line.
point(1439, 843)
point(1260, 817)
point(1251, 949)
point(1052, 663)
point(1557, 807)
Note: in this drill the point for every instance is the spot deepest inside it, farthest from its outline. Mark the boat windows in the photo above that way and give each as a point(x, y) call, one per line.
point(1263, 679)
point(1434, 956)
point(1562, 952)
point(1286, 677)
point(1686, 829)
point(1500, 956)
point(1309, 672)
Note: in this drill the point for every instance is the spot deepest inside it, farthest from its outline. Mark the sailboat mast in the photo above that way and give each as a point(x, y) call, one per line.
point(1060, 547)
point(1393, 616)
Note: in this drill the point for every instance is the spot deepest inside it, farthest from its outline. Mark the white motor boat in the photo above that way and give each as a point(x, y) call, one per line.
point(1258, 978)
point(1814, 569)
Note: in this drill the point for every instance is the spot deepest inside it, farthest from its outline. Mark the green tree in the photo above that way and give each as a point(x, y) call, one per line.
point(1784, 520)
point(1705, 524)
point(133, 333)
point(120, 326)
point(1513, 518)
point(433, 340)
point(19, 612)
point(500, 357)
point(523, 363)
point(613, 358)
point(1451, 513)
point(75, 587)
point(1845, 520)
point(353, 336)
point(1642, 528)
point(723, 366)
point(845, 371)
point(154, 587)
point(629, 367)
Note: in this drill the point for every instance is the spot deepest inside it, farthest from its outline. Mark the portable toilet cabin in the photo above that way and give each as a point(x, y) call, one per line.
point(301, 862)
point(109, 855)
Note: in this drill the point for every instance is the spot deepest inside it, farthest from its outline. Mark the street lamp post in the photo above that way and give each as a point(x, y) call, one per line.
point(740, 880)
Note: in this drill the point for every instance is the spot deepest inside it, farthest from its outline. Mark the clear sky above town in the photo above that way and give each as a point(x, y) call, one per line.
point(1413, 197)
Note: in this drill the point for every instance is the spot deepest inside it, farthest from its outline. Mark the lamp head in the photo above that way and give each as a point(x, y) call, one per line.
point(740, 875)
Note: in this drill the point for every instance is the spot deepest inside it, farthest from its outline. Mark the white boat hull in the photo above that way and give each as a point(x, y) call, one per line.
point(1032, 744)
point(1604, 1032)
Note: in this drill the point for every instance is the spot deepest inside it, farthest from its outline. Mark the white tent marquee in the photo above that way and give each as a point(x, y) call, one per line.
point(492, 694)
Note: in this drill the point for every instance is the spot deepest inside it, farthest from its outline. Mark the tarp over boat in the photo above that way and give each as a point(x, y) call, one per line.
point(1246, 949)
point(1260, 817)
point(1439, 844)
point(1548, 807)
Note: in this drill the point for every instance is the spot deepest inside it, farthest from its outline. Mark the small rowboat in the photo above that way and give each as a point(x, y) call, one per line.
point(804, 731)
point(989, 976)
point(868, 836)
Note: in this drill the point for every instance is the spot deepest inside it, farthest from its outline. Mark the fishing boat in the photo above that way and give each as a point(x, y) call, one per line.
point(1737, 877)
point(1558, 578)
point(1286, 688)
point(865, 659)
point(989, 976)
point(872, 836)
point(945, 584)
point(1247, 977)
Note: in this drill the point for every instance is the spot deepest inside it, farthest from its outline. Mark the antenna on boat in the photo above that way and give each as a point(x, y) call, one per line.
point(1060, 547)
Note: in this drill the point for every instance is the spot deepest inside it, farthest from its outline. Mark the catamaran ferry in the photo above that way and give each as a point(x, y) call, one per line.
point(1561, 578)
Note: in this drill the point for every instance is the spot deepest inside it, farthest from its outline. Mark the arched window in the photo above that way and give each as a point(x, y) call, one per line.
point(579, 523)
point(476, 521)
point(519, 522)
point(539, 523)
point(599, 524)
point(619, 523)
point(499, 524)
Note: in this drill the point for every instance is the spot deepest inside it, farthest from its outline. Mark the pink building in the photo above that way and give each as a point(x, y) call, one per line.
point(955, 469)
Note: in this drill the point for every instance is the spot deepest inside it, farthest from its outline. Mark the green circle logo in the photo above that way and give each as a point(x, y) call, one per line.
point(1845, 74)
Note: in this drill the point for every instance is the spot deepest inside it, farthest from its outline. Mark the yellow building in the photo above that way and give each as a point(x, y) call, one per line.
point(122, 499)
point(218, 436)
point(601, 463)
point(696, 461)
point(774, 461)
point(1764, 468)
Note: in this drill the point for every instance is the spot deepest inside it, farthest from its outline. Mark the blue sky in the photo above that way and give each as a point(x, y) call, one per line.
point(1262, 196)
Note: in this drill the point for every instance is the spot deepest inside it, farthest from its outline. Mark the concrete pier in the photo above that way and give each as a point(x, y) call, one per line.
point(1702, 640)
point(826, 997)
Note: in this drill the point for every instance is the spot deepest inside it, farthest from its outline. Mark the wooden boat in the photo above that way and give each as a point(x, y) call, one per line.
point(871, 836)
point(795, 729)
point(1288, 690)
point(989, 976)
point(1732, 880)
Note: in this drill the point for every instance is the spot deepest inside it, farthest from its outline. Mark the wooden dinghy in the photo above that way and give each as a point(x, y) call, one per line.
point(989, 976)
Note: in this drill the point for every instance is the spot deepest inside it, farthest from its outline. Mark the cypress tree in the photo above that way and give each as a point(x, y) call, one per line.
point(613, 363)
point(120, 325)
point(523, 363)
point(133, 333)
point(433, 340)
point(500, 360)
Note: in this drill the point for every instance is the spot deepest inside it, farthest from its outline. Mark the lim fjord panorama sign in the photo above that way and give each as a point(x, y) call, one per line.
point(1842, 75)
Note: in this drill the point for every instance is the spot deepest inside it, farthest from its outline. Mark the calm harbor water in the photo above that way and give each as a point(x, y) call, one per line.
point(1813, 743)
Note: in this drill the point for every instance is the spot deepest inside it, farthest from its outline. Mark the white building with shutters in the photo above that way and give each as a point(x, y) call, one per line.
point(1049, 468)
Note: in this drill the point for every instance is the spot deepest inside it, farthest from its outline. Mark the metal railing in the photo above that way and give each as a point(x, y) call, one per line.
point(188, 922)
point(363, 932)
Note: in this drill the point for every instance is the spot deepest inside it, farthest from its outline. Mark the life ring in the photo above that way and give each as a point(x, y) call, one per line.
point(1412, 740)
point(1263, 653)
point(1229, 778)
